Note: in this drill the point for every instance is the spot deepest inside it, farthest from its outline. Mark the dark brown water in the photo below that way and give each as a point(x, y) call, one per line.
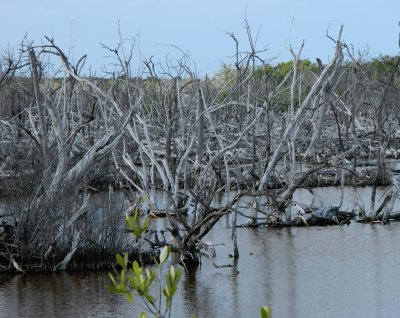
point(349, 271)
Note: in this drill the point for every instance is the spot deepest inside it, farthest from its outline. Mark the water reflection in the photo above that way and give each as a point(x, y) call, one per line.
point(61, 295)
point(344, 271)
point(347, 271)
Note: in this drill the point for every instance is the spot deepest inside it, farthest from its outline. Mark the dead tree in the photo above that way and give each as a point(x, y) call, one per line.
point(298, 116)
point(67, 153)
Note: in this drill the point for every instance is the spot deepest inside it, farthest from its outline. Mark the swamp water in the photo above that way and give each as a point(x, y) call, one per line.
point(347, 271)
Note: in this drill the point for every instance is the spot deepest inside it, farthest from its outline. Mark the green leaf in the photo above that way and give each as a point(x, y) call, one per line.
point(178, 275)
point(112, 289)
point(172, 293)
point(129, 297)
point(143, 199)
point(136, 268)
point(112, 279)
point(121, 288)
point(120, 260)
point(148, 274)
point(166, 292)
point(150, 299)
point(164, 254)
point(135, 216)
point(143, 315)
point(146, 223)
point(128, 221)
point(173, 277)
point(122, 276)
point(266, 312)
point(126, 259)
point(172, 272)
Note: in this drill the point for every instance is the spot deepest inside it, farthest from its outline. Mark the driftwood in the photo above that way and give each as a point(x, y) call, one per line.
point(385, 212)
point(62, 266)
point(161, 214)
point(221, 266)
point(395, 216)
point(319, 217)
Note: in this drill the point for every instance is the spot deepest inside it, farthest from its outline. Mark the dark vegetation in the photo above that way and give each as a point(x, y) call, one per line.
point(255, 129)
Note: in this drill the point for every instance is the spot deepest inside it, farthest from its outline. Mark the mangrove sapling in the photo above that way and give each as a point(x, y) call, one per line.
point(138, 228)
point(139, 280)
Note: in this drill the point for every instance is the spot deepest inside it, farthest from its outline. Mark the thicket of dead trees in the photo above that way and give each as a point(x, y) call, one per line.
point(254, 129)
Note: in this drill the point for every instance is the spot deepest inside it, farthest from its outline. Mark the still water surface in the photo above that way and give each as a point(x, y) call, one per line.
point(348, 271)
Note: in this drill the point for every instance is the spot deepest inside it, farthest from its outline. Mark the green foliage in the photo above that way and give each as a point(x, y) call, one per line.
point(136, 280)
point(280, 71)
point(132, 279)
point(171, 286)
point(282, 100)
point(276, 73)
point(143, 315)
point(135, 225)
point(383, 66)
point(266, 312)
point(227, 73)
point(223, 96)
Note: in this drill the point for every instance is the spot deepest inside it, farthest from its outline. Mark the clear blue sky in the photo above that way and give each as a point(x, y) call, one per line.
point(200, 27)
